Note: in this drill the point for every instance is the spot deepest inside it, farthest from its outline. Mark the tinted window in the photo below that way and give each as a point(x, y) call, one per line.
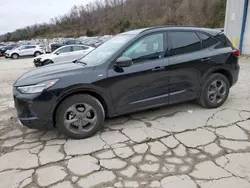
point(30, 47)
point(225, 42)
point(65, 50)
point(184, 42)
point(77, 48)
point(106, 50)
point(147, 48)
point(207, 41)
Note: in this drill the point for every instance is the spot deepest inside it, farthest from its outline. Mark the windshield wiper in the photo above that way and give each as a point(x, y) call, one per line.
point(78, 61)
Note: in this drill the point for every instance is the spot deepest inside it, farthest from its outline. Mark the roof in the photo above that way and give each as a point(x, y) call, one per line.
point(169, 28)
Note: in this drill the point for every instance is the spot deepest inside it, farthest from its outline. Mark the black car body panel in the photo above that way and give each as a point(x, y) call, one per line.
point(172, 77)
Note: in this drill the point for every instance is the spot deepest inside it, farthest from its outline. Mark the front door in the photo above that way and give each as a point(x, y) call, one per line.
point(23, 50)
point(145, 83)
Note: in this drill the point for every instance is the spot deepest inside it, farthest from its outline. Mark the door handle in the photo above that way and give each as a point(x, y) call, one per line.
point(158, 69)
point(205, 59)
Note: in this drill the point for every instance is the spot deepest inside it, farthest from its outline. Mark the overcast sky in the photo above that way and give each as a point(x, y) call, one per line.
point(15, 14)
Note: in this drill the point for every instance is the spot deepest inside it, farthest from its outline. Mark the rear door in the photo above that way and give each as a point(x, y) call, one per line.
point(145, 83)
point(78, 52)
point(188, 61)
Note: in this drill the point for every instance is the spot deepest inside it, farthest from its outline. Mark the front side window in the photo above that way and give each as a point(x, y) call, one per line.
point(184, 42)
point(30, 47)
point(106, 50)
point(64, 50)
point(147, 48)
point(22, 47)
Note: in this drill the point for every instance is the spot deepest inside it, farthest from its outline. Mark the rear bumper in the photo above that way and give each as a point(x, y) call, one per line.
point(235, 73)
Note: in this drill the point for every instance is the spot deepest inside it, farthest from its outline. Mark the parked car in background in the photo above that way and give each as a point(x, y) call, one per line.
point(67, 42)
point(24, 50)
point(63, 54)
point(4, 49)
point(133, 71)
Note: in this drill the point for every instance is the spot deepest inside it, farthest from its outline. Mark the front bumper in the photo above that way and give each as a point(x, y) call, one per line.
point(7, 55)
point(34, 109)
point(37, 62)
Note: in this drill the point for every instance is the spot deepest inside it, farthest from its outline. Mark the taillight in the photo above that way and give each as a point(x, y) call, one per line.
point(236, 53)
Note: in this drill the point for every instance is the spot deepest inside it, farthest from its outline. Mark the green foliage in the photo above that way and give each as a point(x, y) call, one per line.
point(89, 33)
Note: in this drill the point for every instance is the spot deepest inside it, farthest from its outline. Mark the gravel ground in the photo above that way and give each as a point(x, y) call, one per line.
point(180, 146)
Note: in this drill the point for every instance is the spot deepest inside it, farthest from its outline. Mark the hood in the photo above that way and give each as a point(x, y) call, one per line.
point(53, 71)
point(10, 51)
point(45, 56)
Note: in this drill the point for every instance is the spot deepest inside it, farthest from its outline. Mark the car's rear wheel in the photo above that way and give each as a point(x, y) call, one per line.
point(15, 56)
point(37, 54)
point(80, 116)
point(215, 91)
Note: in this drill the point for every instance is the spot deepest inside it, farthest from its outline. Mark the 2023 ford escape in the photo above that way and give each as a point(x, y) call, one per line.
point(133, 71)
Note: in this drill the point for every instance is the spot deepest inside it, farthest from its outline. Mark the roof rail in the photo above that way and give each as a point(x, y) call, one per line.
point(159, 27)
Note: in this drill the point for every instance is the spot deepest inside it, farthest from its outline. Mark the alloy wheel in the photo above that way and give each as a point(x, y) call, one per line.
point(80, 118)
point(217, 91)
point(15, 56)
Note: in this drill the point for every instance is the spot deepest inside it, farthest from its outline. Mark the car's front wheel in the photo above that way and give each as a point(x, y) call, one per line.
point(215, 91)
point(15, 56)
point(80, 116)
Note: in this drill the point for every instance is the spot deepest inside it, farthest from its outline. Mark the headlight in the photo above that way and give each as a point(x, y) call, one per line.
point(38, 87)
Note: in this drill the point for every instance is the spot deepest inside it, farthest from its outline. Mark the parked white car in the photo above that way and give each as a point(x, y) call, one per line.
point(63, 54)
point(24, 50)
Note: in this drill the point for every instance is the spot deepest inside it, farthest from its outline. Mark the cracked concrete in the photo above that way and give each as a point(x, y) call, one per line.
point(183, 145)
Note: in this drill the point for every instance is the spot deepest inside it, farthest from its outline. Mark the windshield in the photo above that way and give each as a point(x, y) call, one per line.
point(106, 50)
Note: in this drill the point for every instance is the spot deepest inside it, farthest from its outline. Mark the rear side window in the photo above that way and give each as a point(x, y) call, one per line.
point(184, 42)
point(77, 48)
point(65, 50)
point(207, 41)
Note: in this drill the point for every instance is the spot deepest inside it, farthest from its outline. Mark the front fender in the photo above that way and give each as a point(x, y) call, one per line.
point(101, 94)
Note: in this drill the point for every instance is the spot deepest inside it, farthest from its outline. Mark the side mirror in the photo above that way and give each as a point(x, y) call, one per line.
point(124, 62)
point(57, 53)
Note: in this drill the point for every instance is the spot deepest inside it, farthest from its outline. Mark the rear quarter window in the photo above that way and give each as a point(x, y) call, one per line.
point(224, 41)
point(207, 41)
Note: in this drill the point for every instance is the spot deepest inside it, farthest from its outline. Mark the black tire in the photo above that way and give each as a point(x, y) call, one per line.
point(75, 100)
point(37, 53)
point(204, 99)
point(47, 62)
point(15, 56)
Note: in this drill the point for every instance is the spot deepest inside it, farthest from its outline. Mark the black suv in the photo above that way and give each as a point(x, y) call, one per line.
point(133, 71)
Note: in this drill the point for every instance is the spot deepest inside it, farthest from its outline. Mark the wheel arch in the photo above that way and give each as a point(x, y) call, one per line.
point(82, 91)
point(222, 71)
point(36, 52)
point(14, 54)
